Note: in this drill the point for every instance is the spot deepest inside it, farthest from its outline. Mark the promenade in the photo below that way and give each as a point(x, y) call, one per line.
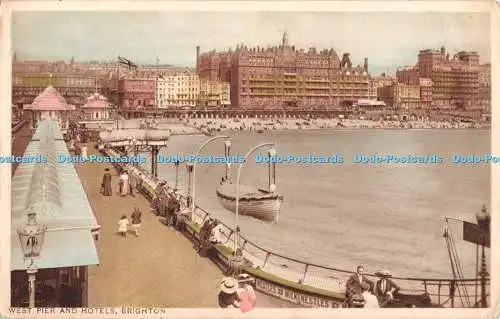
point(157, 269)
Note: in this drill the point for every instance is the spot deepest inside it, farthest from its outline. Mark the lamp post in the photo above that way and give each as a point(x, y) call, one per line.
point(189, 199)
point(194, 169)
point(176, 163)
point(31, 236)
point(483, 221)
point(236, 228)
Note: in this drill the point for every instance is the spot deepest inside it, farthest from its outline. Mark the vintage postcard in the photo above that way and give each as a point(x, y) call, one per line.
point(262, 159)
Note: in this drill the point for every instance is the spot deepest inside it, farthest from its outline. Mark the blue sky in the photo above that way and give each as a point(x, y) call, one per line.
point(388, 40)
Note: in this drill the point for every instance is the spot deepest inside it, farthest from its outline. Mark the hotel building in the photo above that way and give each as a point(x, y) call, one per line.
point(400, 95)
point(455, 81)
point(174, 91)
point(286, 77)
point(214, 93)
point(187, 90)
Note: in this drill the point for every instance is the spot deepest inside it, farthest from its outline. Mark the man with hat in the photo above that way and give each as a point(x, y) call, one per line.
point(228, 295)
point(385, 288)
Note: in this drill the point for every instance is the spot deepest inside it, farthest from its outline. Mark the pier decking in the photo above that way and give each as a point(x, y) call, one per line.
point(157, 269)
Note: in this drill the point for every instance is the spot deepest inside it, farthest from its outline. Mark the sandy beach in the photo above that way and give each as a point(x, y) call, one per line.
point(216, 125)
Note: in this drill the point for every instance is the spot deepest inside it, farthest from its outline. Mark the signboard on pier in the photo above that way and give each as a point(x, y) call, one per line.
point(294, 296)
point(476, 235)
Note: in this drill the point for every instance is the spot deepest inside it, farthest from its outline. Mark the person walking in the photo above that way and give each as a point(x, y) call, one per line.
point(123, 226)
point(133, 184)
point(106, 183)
point(84, 151)
point(136, 221)
point(125, 183)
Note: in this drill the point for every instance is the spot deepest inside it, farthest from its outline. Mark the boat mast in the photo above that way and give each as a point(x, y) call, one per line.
point(272, 169)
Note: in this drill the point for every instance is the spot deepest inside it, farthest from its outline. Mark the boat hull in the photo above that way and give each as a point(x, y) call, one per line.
point(265, 209)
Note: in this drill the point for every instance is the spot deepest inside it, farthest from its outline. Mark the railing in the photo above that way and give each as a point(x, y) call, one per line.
point(16, 127)
point(443, 292)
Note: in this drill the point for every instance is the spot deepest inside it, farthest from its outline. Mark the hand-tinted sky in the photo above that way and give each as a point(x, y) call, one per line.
point(388, 40)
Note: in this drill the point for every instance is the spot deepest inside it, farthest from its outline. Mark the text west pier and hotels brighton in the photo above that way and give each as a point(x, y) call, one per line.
point(68, 107)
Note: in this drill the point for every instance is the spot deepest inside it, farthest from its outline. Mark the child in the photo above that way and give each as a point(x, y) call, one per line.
point(136, 221)
point(123, 226)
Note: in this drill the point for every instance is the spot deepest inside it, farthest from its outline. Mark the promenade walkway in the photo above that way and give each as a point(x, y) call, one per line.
point(157, 269)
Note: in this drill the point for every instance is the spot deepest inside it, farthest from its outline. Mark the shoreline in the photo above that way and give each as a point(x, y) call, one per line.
point(211, 126)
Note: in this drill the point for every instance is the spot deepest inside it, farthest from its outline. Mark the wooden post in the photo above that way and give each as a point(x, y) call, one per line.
point(304, 275)
point(265, 260)
point(84, 285)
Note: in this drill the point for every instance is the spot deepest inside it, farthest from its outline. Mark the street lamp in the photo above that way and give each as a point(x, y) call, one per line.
point(189, 200)
point(176, 163)
point(227, 150)
point(483, 221)
point(31, 236)
point(236, 228)
point(194, 169)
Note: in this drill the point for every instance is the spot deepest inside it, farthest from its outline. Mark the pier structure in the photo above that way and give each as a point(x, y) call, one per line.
point(51, 267)
point(157, 269)
point(161, 264)
point(137, 141)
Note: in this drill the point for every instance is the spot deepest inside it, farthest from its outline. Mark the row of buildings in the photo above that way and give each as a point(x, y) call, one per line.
point(283, 76)
point(143, 87)
point(277, 77)
point(442, 82)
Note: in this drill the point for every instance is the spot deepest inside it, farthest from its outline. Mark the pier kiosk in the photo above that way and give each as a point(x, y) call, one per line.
point(136, 141)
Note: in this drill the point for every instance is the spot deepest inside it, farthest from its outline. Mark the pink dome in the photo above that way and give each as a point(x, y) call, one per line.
point(50, 100)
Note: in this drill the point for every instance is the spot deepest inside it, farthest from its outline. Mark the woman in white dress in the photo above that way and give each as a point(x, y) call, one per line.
point(84, 151)
point(125, 183)
point(123, 226)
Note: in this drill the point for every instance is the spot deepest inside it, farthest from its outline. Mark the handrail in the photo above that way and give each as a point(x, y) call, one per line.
point(427, 283)
point(17, 126)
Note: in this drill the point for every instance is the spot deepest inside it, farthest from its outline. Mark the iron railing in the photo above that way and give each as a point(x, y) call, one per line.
point(444, 292)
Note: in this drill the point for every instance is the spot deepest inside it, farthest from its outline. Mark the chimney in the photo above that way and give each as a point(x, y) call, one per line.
point(443, 50)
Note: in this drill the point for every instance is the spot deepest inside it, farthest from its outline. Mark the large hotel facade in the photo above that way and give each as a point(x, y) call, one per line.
point(458, 82)
point(285, 77)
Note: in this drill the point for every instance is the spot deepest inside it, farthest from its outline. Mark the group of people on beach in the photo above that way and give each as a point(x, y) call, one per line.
point(362, 292)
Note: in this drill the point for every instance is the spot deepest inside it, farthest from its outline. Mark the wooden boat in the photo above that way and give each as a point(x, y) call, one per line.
point(253, 202)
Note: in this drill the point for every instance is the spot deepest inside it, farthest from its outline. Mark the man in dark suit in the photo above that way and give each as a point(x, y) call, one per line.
point(355, 283)
point(385, 289)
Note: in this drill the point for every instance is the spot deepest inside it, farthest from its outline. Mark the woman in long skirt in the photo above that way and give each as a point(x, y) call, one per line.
point(106, 183)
